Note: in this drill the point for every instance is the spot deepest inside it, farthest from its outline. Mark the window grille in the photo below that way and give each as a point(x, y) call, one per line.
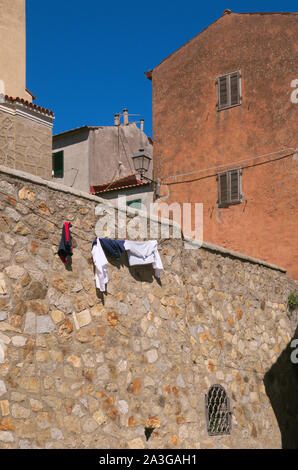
point(229, 90)
point(218, 414)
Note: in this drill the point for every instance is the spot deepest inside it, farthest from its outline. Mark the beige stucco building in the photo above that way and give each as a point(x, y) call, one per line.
point(25, 128)
point(13, 49)
point(98, 159)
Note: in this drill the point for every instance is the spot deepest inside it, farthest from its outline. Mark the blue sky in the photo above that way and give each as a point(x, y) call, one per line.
point(86, 60)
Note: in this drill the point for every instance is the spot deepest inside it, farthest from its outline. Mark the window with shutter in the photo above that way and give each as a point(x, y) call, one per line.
point(58, 164)
point(223, 188)
point(234, 87)
point(229, 90)
point(235, 190)
point(229, 188)
point(223, 92)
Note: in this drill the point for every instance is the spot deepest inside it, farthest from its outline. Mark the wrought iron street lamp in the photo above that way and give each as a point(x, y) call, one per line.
point(141, 162)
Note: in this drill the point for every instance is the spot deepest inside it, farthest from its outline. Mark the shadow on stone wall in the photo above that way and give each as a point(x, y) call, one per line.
point(281, 384)
point(141, 273)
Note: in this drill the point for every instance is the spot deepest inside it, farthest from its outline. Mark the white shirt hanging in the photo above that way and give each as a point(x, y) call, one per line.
point(101, 266)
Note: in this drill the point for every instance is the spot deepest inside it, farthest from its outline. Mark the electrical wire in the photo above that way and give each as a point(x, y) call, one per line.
point(216, 174)
point(116, 175)
point(237, 163)
point(125, 149)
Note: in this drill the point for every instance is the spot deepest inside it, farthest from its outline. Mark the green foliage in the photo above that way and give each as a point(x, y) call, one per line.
point(293, 301)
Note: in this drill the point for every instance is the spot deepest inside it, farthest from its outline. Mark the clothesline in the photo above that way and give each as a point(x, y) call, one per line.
point(139, 253)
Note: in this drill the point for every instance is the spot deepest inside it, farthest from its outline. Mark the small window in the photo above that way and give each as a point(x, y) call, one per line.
point(218, 413)
point(135, 204)
point(229, 188)
point(58, 164)
point(229, 90)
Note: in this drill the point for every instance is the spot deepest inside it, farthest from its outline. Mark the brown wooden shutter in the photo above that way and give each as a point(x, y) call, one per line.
point(223, 188)
point(222, 92)
point(235, 185)
point(234, 89)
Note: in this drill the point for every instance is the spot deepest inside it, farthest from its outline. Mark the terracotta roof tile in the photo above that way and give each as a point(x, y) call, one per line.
point(30, 105)
point(129, 181)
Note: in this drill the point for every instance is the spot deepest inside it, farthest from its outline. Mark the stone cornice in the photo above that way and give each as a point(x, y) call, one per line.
point(18, 109)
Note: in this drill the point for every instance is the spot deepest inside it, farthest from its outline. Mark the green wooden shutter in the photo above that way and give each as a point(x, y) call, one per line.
point(58, 163)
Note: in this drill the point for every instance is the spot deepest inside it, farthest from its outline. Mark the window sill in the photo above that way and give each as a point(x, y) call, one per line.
point(228, 204)
point(228, 107)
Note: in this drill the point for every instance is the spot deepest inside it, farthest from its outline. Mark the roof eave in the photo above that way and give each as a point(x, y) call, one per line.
point(149, 74)
point(92, 191)
point(77, 129)
point(32, 106)
point(225, 13)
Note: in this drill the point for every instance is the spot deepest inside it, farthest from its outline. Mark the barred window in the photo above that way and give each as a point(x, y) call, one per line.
point(229, 90)
point(218, 413)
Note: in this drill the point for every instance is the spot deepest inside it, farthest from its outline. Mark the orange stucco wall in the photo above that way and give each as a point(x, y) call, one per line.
point(191, 136)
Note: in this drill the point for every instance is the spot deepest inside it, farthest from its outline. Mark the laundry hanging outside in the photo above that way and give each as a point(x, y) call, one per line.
point(139, 253)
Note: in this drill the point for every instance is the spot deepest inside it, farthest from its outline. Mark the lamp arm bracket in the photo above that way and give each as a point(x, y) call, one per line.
point(148, 179)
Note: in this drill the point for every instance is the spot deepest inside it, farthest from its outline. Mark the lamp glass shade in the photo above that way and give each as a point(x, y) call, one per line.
point(141, 161)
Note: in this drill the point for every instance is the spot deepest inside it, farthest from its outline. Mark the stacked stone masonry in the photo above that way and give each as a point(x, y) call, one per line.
point(85, 370)
point(25, 145)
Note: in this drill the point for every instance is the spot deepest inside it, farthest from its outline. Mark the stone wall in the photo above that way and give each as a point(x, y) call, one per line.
point(33, 148)
point(26, 142)
point(7, 141)
point(86, 370)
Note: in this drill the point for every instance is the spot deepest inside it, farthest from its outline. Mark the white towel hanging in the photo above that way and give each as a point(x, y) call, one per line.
point(144, 253)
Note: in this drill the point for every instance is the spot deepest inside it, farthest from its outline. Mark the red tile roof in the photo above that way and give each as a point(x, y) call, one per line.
point(129, 181)
point(30, 105)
